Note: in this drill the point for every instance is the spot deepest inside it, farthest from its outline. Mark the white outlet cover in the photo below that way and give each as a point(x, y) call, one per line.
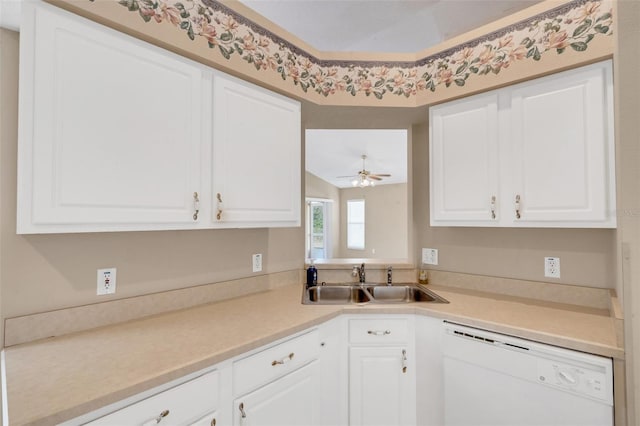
point(429, 256)
point(552, 267)
point(106, 281)
point(257, 262)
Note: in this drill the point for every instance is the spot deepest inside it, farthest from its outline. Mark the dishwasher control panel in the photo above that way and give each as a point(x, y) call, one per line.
point(588, 380)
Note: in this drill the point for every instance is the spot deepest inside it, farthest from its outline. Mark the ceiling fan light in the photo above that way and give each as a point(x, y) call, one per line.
point(372, 183)
point(354, 182)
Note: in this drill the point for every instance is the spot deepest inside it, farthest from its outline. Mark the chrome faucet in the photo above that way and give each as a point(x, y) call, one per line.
point(389, 275)
point(361, 273)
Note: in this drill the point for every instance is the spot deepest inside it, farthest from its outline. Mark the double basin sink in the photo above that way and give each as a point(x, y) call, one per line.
point(368, 293)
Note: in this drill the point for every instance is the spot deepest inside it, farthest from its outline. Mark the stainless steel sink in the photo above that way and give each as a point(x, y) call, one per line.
point(329, 294)
point(368, 293)
point(403, 294)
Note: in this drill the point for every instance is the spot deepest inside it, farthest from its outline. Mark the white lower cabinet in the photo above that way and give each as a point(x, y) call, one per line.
point(209, 419)
point(279, 385)
point(429, 372)
point(382, 373)
point(333, 395)
point(351, 370)
point(288, 401)
point(194, 402)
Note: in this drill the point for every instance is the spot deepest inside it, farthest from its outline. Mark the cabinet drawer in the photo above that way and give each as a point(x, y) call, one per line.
point(378, 331)
point(182, 404)
point(273, 362)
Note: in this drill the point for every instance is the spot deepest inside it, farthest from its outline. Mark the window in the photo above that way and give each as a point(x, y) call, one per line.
point(355, 224)
point(317, 227)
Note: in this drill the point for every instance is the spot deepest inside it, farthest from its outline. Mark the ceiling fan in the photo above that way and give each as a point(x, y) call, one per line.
point(365, 177)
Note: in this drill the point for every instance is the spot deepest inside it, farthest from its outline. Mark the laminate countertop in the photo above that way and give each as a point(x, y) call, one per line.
point(57, 379)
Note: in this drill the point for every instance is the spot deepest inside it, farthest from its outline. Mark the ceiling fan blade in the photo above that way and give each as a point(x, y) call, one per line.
point(380, 174)
point(351, 176)
point(374, 177)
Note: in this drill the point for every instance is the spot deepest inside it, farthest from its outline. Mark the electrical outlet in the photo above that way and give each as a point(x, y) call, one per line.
point(257, 262)
point(429, 256)
point(106, 281)
point(552, 267)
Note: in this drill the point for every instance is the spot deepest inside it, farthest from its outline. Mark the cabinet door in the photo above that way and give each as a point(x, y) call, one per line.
point(209, 419)
point(184, 404)
point(334, 374)
point(429, 371)
point(110, 129)
point(464, 162)
point(562, 139)
point(289, 401)
point(380, 390)
point(256, 156)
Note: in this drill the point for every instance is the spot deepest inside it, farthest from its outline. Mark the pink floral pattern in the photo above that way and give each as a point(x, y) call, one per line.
point(574, 27)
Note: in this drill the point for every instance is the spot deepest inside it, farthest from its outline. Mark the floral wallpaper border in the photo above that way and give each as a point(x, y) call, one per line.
point(570, 26)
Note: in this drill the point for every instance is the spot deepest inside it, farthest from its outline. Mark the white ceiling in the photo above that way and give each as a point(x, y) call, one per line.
point(332, 153)
point(382, 25)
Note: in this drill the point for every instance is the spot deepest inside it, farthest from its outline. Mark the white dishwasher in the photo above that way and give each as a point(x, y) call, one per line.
point(492, 379)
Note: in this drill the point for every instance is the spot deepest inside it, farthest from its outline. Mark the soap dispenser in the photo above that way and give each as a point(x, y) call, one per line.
point(312, 275)
point(422, 276)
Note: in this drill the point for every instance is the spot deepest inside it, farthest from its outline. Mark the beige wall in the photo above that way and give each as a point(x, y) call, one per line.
point(319, 188)
point(386, 222)
point(46, 272)
point(627, 69)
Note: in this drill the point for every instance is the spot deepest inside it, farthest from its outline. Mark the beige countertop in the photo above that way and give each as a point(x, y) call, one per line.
point(53, 380)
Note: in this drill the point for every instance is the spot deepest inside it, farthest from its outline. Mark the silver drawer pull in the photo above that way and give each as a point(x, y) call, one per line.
point(379, 332)
point(404, 360)
point(493, 207)
point(284, 360)
point(219, 209)
point(196, 205)
point(518, 207)
point(241, 408)
point(162, 415)
point(213, 422)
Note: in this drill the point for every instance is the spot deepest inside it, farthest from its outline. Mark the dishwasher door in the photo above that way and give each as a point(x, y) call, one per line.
point(492, 379)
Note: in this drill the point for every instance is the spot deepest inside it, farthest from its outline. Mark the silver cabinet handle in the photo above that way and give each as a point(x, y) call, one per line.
point(283, 360)
point(241, 408)
point(493, 207)
point(213, 422)
point(219, 208)
point(518, 206)
point(196, 205)
point(379, 332)
point(404, 360)
point(162, 415)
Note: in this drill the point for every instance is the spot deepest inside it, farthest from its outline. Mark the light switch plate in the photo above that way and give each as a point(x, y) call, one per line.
point(106, 281)
point(429, 256)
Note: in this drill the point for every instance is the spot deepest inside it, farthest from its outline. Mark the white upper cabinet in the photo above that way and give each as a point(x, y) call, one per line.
point(563, 150)
point(110, 129)
point(118, 135)
point(464, 160)
point(256, 156)
point(538, 154)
